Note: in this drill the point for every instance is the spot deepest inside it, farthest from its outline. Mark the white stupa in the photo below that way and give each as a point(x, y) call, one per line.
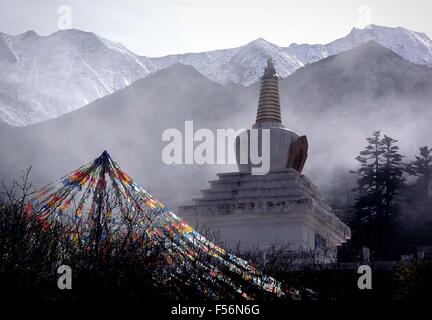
point(282, 206)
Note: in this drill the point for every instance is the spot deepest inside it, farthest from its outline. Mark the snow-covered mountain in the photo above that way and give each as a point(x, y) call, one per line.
point(241, 65)
point(354, 93)
point(43, 77)
point(415, 47)
point(244, 64)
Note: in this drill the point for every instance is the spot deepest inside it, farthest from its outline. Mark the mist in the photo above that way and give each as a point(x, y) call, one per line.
point(336, 103)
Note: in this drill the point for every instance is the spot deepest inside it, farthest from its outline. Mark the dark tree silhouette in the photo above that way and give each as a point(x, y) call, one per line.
point(421, 168)
point(416, 201)
point(379, 180)
point(392, 171)
point(369, 201)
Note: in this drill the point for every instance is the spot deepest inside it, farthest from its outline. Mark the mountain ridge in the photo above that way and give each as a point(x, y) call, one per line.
point(130, 122)
point(44, 77)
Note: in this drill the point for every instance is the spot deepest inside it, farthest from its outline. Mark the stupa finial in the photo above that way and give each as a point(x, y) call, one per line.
point(270, 71)
point(269, 105)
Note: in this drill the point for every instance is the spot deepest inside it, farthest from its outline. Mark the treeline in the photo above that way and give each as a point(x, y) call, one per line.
point(391, 212)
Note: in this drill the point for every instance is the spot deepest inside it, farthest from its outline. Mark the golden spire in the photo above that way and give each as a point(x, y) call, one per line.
point(269, 104)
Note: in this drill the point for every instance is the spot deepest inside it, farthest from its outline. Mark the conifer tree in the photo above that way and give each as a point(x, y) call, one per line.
point(421, 168)
point(369, 202)
point(379, 180)
point(392, 171)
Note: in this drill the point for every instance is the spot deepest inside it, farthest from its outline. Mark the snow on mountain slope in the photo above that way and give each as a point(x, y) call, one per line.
point(415, 47)
point(336, 102)
point(241, 65)
point(43, 77)
point(244, 64)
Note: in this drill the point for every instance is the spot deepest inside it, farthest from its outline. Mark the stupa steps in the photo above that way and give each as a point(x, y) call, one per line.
point(268, 97)
point(268, 113)
point(252, 194)
point(257, 199)
point(269, 180)
point(256, 184)
point(269, 83)
point(258, 194)
point(257, 206)
point(268, 200)
point(284, 185)
point(272, 175)
point(277, 191)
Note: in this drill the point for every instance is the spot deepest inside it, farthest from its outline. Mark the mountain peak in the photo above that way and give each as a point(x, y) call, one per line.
point(261, 42)
point(370, 55)
point(374, 48)
point(377, 28)
point(181, 67)
point(28, 34)
point(181, 71)
point(79, 37)
point(75, 32)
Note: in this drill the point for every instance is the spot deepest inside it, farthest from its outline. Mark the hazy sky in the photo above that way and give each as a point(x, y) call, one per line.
point(160, 27)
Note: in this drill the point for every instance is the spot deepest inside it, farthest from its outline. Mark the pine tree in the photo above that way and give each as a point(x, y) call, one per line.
point(418, 200)
point(392, 171)
point(421, 168)
point(379, 180)
point(369, 202)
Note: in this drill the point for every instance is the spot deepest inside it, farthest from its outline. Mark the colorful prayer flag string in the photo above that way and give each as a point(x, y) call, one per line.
point(107, 198)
